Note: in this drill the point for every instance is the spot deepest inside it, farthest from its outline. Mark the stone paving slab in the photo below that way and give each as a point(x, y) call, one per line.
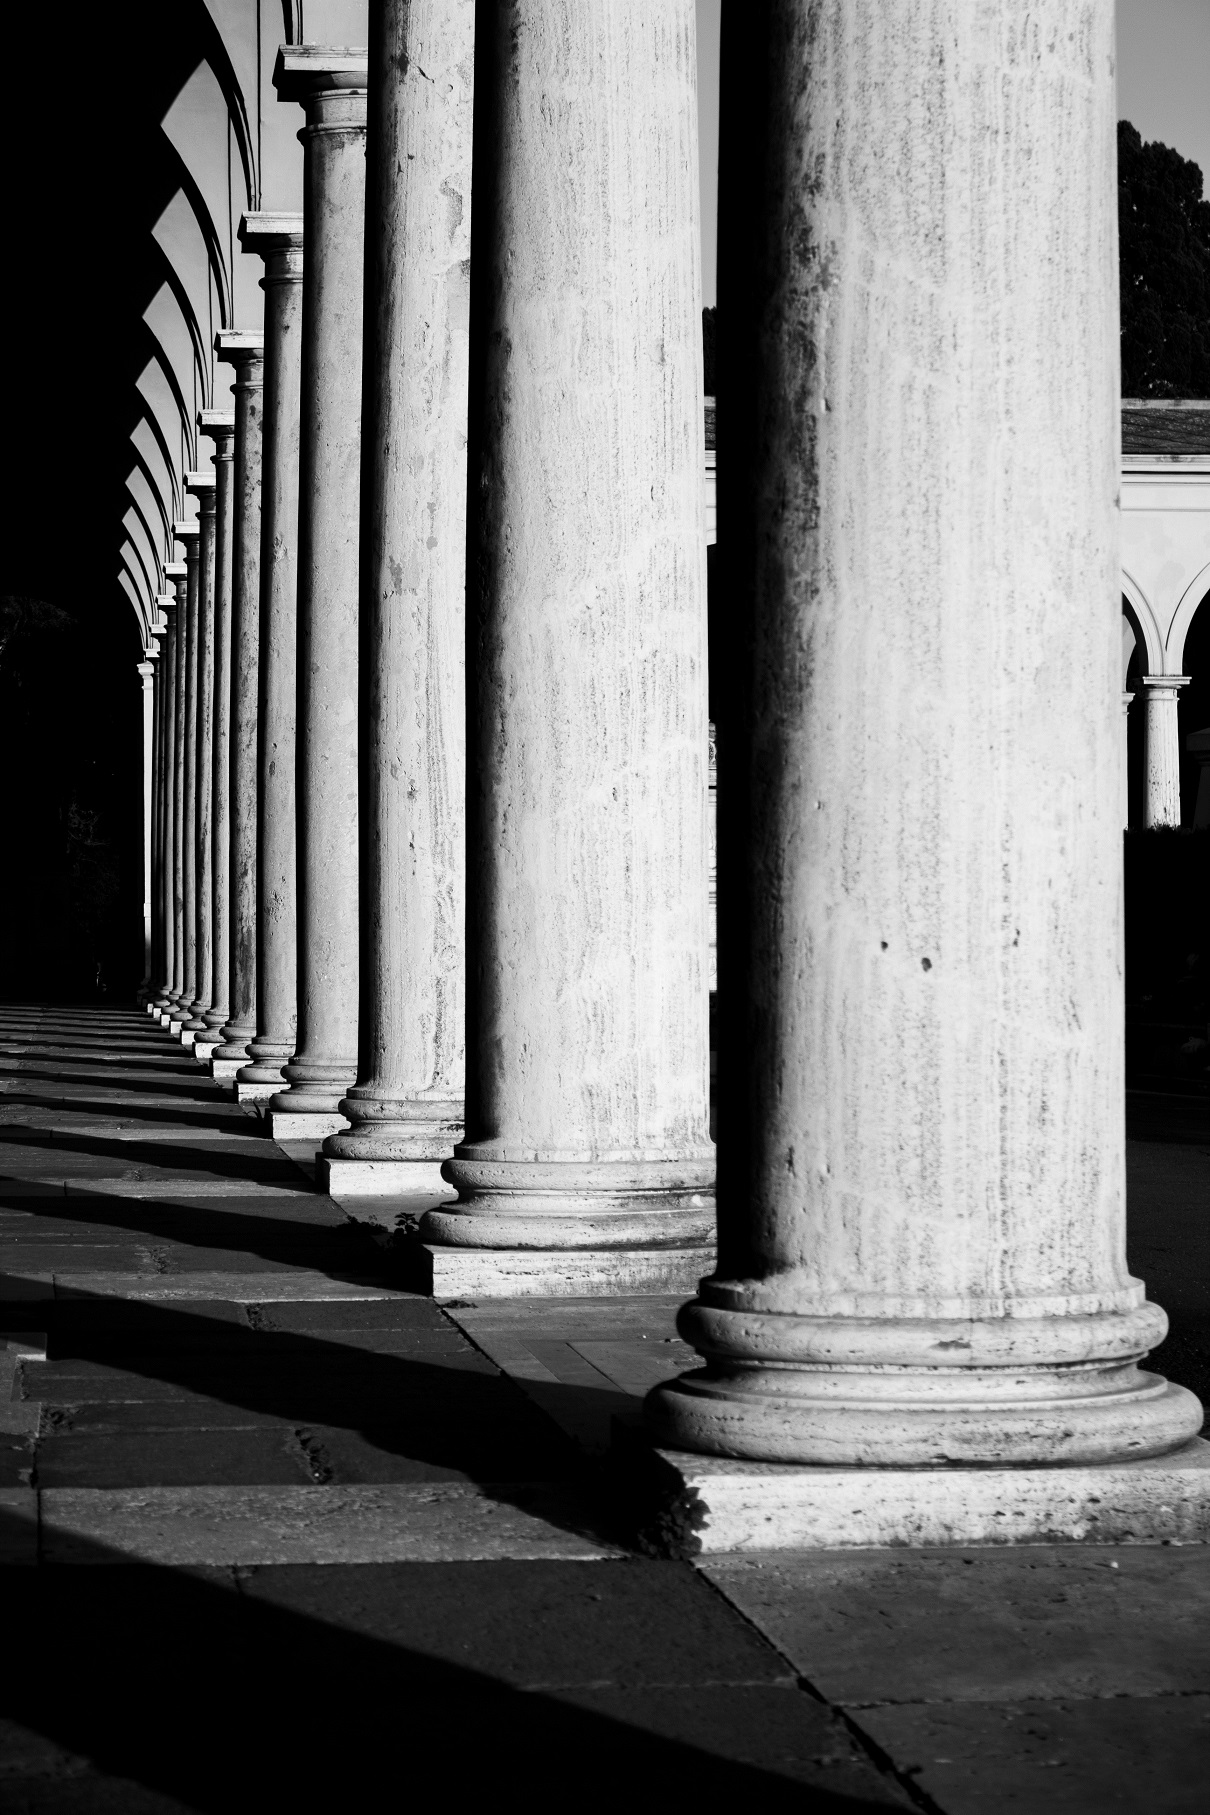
point(249, 1525)
point(252, 1287)
point(1144, 1757)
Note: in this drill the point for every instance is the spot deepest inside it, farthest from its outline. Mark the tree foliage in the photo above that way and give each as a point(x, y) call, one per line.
point(1164, 229)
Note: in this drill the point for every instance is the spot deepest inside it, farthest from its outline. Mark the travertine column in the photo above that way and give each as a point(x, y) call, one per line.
point(1127, 699)
point(186, 730)
point(177, 574)
point(201, 486)
point(162, 878)
point(278, 238)
point(331, 84)
point(147, 673)
point(921, 1165)
point(219, 427)
point(587, 1094)
point(244, 351)
point(1162, 743)
point(405, 1110)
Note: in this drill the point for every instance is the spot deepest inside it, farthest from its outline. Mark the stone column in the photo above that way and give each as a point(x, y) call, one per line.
point(162, 1000)
point(244, 351)
point(147, 674)
point(201, 729)
point(1163, 748)
point(331, 85)
point(176, 575)
point(405, 1110)
point(278, 239)
point(219, 427)
point(1198, 745)
point(921, 1146)
point(587, 1061)
point(186, 732)
point(1127, 699)
point(151, 909)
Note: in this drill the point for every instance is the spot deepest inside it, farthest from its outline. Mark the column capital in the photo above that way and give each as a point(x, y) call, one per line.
point(278, 239)
point(1162, 684)
point(186, 532)
point(173, 570)
point(201, 486)
point(243, 349)
point(146, 669)
point(219, 425)
point(305, 71)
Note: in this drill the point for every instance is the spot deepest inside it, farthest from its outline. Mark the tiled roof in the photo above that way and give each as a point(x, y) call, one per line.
point(1161, 427)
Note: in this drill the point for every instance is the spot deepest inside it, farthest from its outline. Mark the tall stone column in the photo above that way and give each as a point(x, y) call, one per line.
point(331, 85)
point(147, 675)
point(1127, 700)
point(244, 351)
point(189, 534)
point(278, 239)
point(219, 427)
point(151, 906)
point(176, 575)
point(587, 1061)
point(405, 1110)
point(201, 486)
point(165, 881)
point(921, 1156)
point(1162, 742)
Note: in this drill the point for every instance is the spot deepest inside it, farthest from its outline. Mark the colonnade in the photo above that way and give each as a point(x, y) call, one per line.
point(441, 898)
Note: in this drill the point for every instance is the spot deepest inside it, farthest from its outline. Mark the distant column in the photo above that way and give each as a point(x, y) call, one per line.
point(1127, 699)
point(1163, 748)
point(189, 534)
point(244, 351)
point(587, 1110)
point(177, 573)
point(147, 673)
point(162, 876)
point(405, 1110)
point(219, 427)
point(331, 85)
point(278, 239)
point(921, 1212)
point(201, 486)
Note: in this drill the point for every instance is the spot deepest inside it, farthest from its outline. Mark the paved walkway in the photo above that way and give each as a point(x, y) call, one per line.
point(358, 1550)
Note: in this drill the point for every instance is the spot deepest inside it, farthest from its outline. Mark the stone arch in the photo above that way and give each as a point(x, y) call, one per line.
point(1191, 598)
point(1142, 618)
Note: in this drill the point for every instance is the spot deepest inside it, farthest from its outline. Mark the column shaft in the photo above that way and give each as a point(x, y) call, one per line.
point(221, 428)
point(188, 746)
point(168, 675)
point(1163, 748)
point(147, 674)
point(587, 1089)
point(279, 240)
point(921, 1156)
point(180, 669)
point(406, 1108)
point(332, 87)
point(246, 353)
point(202, 486)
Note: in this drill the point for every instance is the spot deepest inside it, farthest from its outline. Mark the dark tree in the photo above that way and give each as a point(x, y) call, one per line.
point(1164, 227)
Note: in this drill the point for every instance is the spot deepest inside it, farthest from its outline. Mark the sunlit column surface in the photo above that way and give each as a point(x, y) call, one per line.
point(244, 351)
point(921, 1145)
point(201, 729)
point(1162, 743)
point(586, 1090)
point(165, 755)
point(405, 1110)
point(331, 85)
point(278, 239)
point(219, 427)
point(147, 675)
point(189, 534)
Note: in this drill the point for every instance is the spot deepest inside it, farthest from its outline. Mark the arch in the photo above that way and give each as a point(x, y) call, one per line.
point(1146, 630)
point(1191, 598)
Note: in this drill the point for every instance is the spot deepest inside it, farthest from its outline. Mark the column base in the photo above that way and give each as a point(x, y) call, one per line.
point(381, 1178)
point(235, 1045)
point(477, 1273)
point(203, 1046)
point(180, 1032)
point(700, 1505)
point(256, 1092)
point(917, 1392)
point(551, 1204)
point(224, 1070)
point(302, 1124)
point(166, 1019)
